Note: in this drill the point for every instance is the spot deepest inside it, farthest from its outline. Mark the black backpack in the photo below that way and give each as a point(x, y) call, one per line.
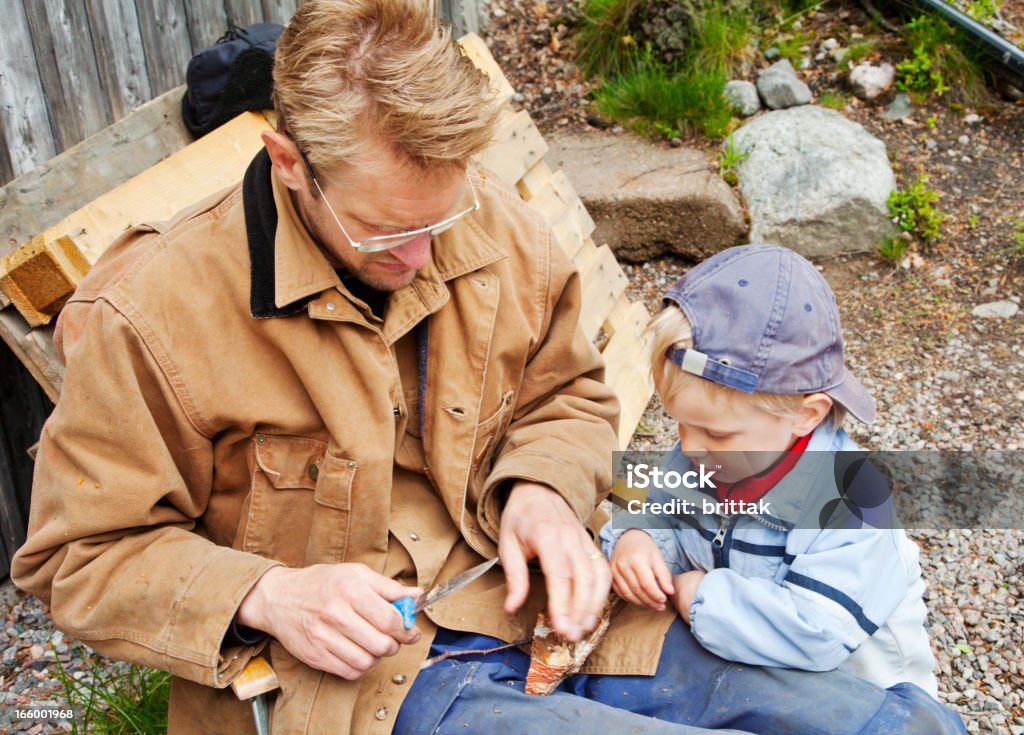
point(230, 77)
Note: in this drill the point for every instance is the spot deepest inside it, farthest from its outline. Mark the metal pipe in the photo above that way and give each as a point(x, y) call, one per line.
point(1010, 58)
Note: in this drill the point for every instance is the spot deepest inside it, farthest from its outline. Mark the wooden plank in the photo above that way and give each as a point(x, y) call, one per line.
point(50, 192)
point(480, 55)
point(627, 316)
point(40, 276)
point(603, 282)
point(518, 145)
point(215, 161)
point(166, 42)
point(14, 331)
point(243, 12)
point(120, 56)
point(207, 21)
point(26, 125)
point(6, 165)
point(68, 70)
point(628, 371)
point(279, 11)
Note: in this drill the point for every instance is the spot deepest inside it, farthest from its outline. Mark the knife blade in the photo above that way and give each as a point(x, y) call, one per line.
point(409, 607)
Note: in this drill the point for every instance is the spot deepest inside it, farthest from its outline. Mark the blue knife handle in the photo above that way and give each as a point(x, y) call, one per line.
point(406, 605)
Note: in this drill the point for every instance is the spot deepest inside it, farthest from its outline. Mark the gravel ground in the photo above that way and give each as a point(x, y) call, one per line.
point(944, 378)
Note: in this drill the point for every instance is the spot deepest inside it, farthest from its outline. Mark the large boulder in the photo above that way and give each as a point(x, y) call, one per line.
point(814, 181)
point(647, 200)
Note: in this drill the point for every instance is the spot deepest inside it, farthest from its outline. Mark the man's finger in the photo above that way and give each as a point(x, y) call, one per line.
point(517, 575)
point(558, 577)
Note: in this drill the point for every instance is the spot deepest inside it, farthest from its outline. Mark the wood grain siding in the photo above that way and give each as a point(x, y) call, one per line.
point(207, 21)
point(166, 41)
point(26, 124)
point(67, 66)
point(119, 54)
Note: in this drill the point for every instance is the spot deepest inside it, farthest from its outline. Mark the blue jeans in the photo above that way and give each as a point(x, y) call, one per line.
point(692, 692)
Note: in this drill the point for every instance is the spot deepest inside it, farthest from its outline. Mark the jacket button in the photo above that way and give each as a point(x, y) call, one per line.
point(397, 410)
point(260, 439)
point(314, 472)
point(381, 713)
point(398, 679)
point(330, 306)
point(414, 536)
point(350, 464)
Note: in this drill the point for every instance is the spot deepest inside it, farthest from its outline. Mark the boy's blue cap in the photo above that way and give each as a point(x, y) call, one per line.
point(765, 320)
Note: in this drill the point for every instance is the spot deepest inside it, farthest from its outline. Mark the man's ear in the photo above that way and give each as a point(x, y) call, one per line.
point(815, 407)
point(285, 158)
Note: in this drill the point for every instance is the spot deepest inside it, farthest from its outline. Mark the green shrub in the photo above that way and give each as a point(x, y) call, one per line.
point(914, 211)
point(729, 159)
point(892, 249)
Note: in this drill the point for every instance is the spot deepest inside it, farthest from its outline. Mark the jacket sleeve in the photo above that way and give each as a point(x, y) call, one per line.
point(562, 432)
point(122, 475)
point(838, 589)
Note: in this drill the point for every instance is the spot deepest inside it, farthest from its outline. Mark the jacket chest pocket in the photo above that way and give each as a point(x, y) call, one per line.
point(490, 431)
point(299, 501)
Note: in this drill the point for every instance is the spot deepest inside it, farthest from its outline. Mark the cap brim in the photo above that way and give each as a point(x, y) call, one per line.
point(854, 397)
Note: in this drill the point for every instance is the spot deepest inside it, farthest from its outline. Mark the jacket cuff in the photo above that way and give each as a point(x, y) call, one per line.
point(557, 474)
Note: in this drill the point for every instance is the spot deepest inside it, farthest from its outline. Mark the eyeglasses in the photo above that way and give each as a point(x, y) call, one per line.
point(386, 242)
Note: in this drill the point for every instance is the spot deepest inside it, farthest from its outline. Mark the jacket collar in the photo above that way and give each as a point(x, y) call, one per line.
point(288, 271)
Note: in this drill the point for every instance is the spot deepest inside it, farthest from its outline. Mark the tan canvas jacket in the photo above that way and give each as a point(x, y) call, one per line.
point(230, 406)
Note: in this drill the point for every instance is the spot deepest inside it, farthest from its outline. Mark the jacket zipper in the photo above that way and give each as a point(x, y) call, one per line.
point(718, 550)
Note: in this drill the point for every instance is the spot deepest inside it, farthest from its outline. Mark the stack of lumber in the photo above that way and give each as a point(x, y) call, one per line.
point(39, 275)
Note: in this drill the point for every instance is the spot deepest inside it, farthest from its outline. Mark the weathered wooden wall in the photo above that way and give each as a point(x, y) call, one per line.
point(69, 68)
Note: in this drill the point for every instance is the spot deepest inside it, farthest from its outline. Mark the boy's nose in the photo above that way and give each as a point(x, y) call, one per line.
point(691, 448)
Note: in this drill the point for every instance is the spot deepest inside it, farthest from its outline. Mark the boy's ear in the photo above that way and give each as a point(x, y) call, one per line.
point(815, 408)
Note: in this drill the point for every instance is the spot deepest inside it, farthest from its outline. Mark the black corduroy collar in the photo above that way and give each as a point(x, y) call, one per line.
point(261, 229)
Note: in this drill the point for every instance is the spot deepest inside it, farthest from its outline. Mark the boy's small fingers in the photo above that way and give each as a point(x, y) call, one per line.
point(664, 577)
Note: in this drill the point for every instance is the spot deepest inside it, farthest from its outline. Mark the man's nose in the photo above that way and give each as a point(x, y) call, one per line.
point(415, 253)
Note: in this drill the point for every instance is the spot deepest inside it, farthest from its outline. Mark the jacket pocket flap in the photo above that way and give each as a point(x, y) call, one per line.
point(290, 461)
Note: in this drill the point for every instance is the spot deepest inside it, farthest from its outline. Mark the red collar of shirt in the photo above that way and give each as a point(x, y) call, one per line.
point(751, 489)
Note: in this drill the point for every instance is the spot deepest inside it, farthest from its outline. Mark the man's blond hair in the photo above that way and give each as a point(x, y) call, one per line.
point(347, 72)
point(671, 328)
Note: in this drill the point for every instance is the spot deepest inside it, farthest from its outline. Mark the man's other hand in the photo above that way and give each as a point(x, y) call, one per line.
point(538, 524)
point(336, 618)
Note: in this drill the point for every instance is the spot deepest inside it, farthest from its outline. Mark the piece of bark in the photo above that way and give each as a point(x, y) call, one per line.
point(553, 658)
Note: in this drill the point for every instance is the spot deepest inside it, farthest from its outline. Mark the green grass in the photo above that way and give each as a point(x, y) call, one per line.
point(833, 100)
point(859, 50)
point(118, 700)
point(940, 62)
point(651, 99)
point(667, 94)
point(730, 158)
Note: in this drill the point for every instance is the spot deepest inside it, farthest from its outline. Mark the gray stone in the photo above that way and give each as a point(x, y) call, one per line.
point(780, 88)
point(900, 107)
point(743, 96)
point(771, 54)
point(867, 81)
point(996, 310)
point(647, 200)
point(814, 181)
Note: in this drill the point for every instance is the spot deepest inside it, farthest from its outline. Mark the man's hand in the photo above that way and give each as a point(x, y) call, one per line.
point(639, 572)
point(538, 523)
point(686, 587)
point(336, 618)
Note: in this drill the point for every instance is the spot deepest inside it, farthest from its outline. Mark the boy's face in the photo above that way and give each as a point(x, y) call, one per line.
point(729, 433)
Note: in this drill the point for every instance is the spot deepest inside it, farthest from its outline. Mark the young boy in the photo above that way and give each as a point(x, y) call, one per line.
point(748, 359)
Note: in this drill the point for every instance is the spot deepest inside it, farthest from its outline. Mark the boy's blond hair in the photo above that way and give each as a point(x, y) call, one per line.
point(350, 71)
point(670, 328)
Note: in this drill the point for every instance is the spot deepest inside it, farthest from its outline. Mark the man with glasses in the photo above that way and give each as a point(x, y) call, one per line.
point(355, 375)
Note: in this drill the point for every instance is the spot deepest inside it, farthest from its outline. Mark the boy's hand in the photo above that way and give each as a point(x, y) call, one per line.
point(639, 573)
point(686, 587)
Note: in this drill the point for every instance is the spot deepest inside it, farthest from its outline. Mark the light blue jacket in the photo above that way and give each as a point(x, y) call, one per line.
point(779, 591)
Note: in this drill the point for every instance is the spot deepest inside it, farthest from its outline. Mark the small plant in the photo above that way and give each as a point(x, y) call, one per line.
point(792, 48)
point(834, 100)
point(729, 159)
point(982, 10)
point(914, 211)
point(972, 221)
point(1016, 246)
point(931, 121)
point(122, 700)
point(892, 249)
point(857, 51)
point(940, 61)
